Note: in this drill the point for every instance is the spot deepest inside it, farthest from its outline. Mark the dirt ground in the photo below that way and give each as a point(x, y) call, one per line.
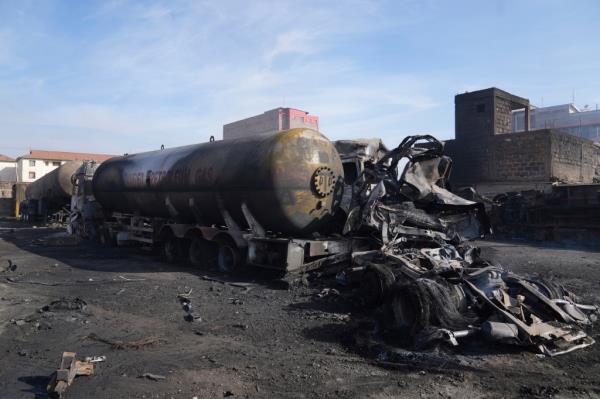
point(259, 340)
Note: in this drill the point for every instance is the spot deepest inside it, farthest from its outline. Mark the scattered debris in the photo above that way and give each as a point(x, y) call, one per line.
point(325, 292)
point(131, 279)
point(65, 304)
point(70, 283)
point(328, 316)
point(67, 371)
point(11, 267)
point(563, 212)
point(95, 359)
point(120, 345)
point(153, 377)
point(246, 286)
point(185, 294)
point(186, 305)
point(241, 326)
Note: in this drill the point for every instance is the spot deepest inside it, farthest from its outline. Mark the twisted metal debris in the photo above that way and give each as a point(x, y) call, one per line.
point(428, 282)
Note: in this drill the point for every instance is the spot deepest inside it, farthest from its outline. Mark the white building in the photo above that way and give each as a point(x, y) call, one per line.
point(567, 117)
point(37, 163)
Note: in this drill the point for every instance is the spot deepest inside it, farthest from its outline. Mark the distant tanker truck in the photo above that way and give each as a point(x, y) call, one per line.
point(260, 200)
point(50, 193)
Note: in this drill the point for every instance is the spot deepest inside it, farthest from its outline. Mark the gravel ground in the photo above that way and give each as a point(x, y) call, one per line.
point(263, 340)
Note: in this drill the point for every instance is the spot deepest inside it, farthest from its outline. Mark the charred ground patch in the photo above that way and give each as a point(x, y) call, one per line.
point(264, 341)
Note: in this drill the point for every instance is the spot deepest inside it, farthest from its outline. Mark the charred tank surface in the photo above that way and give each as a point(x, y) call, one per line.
point(54, 188)
point(289, 181)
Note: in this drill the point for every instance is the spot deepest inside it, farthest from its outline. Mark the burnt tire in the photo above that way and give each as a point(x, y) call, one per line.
point(203, 253)
point(106, 239)
point(170, 250)
point(419, 304)
point(376, 284)
point(229, 257)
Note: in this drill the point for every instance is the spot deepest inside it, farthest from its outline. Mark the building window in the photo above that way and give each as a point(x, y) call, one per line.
point(32, 175)
point(47, 163)
point(56, 163)
point(480, 108)
point(32, 162)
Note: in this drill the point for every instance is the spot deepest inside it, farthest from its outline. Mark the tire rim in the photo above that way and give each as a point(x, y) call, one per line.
point(227, 258)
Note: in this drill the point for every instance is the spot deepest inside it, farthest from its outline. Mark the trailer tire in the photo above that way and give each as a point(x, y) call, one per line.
point(106, 239)
point(203, 253)
point(375, 285)
point(229, 258)
point(170, 249)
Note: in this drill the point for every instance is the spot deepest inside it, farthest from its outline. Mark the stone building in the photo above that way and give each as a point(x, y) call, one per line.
point(491, 157)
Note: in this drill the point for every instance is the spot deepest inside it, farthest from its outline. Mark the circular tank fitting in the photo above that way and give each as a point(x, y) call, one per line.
point(323, 181)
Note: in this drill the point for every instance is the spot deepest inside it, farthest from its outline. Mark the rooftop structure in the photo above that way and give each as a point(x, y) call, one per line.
point(270, 122)
point(486, 112)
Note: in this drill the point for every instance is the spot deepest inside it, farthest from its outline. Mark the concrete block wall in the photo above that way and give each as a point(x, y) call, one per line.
point(503, 158)
point(503, 116)
point(522, 159)
point(573, 159)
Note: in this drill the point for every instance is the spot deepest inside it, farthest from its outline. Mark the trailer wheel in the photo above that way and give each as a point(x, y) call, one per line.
point(170, 249)
point(106, 239)
point(203, 253)
point(184, 248)
point(229, 258)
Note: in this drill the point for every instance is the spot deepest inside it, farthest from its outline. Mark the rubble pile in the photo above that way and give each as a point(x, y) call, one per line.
point(428, 283)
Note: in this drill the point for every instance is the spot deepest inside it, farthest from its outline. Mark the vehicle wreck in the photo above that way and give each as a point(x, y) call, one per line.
point(428, 283)
point(394, 233)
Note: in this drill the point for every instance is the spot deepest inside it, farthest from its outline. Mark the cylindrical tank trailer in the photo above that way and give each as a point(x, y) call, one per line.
point(53, 190)
point(290, 182)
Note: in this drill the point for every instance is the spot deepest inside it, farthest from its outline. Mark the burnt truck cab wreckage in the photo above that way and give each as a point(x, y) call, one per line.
point(298, 203)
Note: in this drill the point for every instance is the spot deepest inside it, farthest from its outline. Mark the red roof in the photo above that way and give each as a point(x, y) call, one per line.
point(65, 156)
point(4, 158)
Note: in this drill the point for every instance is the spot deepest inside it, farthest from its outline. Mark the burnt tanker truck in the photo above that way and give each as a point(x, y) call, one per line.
point(266, 200)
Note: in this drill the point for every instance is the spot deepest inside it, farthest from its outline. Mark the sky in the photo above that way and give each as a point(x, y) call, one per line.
point(127, 76)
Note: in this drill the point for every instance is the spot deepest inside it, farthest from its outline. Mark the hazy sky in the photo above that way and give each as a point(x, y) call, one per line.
point(124, 76)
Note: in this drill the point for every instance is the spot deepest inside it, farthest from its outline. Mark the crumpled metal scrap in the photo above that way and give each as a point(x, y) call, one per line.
point(432, 285)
